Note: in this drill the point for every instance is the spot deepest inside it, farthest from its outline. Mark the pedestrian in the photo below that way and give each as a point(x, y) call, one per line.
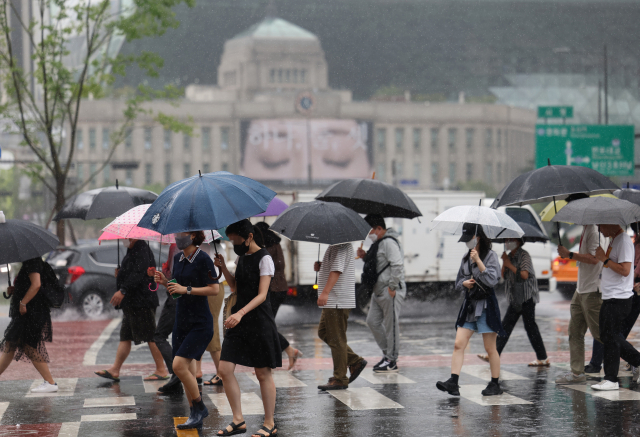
point(138, 304)
point(336, 297)
point(617, 299)
point(195, 279)
point(478, 274)
point(389, 291)
point(30, 325)
point(251, 338)
point(521, 287)
point(278, 288)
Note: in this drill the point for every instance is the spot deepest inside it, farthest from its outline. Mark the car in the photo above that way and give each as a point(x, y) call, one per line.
point(87, 273)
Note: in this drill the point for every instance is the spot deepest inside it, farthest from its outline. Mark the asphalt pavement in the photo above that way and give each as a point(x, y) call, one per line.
point(405, 404)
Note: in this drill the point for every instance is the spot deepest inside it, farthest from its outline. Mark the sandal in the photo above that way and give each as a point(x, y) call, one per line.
point(156, 377)
point(484, 357)
point(218, 381)
point(540, 363)
point(107, 375)
point(235, 429)
point(272, 432)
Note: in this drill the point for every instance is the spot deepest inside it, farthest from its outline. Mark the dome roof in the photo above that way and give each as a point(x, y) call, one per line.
point(276, 28)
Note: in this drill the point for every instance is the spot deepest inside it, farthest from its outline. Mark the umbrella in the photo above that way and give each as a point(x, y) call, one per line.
point(275, 208)
point(599, 211)
point(532, 234)
point(495, 224)
point(22, 240)
point(368, 196)
point(628, 194)
point(550, 210)
point(321, 222)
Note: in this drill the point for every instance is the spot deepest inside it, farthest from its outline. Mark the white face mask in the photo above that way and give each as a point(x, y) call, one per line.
point(373, 237)
point(511, 245)
point(471, 244)
point(126, 243)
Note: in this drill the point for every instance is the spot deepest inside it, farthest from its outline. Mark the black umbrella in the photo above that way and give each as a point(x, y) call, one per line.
point(321, 222)
point(628, 194)
point(533, 233)
point(368, 196)
point(21, 240)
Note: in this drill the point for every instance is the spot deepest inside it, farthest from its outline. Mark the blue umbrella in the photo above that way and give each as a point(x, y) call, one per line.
point(209, 201)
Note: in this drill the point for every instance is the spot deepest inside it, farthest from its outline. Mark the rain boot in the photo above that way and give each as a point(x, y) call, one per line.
point(198, 412)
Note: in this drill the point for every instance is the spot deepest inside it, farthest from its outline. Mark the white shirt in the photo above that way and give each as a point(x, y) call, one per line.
point(339, 258)
point(613, 285)
point(589, 274)
point(267, 268)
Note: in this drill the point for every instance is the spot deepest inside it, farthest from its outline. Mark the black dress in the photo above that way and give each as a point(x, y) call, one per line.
point(254, 341)
point(27, 333)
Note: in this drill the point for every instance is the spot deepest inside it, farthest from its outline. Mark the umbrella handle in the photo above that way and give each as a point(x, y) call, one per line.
point(555, 208)
point(315, 287)
point(153, 289)
point(215, 248)
point(5, 295)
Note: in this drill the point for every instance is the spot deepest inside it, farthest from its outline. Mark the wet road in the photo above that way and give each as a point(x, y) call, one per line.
point(404, 405)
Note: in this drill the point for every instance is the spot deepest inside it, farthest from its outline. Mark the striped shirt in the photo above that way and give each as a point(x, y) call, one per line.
point(339, 258)
point(522, 261)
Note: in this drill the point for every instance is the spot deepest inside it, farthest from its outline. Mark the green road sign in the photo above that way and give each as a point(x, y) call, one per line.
point(607, 149)
point(555, 111)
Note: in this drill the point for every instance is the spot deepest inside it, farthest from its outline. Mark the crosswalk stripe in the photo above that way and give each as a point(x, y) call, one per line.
point(91, 355)
point(385, 378)
point(184, 432)
point(613, 395)
point(473, 393)
point(66, 387)
point(281, 380)
point(3, 408)
point(484, 372)
point(122, 401)
point(107, 417)
point(69, 429)
point(364, 398)
point(152, 386)
point(251, 404)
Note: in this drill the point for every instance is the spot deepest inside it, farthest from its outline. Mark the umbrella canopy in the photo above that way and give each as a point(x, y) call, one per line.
point(209, 201)
point(275, 208)
point(368, 196)
point(553, 182)
point(104, 203)
point(599, 211)
point(495, 224)
point(532, 234)
point(321, 222)
point(22, 240)
point(628, 194)
point(550, 210)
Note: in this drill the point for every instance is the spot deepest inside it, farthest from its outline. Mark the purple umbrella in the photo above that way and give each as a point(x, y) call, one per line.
point(275, 208)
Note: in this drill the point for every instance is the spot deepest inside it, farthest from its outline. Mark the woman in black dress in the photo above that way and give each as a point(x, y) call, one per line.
point(195, 276)
point(30, 325)
point(252, 337)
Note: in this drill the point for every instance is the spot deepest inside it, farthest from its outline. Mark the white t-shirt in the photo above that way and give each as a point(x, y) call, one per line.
point(613, 285)
point(339, 258)
point(589, 274)
point(267, 268)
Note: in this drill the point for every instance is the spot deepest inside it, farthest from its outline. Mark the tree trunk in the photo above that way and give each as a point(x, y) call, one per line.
point(60, 199)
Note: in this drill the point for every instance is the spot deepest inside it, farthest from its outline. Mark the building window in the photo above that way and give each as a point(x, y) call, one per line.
point(187, 171)
point(92, 172)
point(79, 139)
point(469, 133)
point(434, 139)
point(206, 138)
point(167, 173)
point(92, 139)
point(381, 136)
point(416, 171)
point(452, 139)
point(380, 172)
point(147, 138)
point(206, 168)
point(399, 139)
point(303, 76)
point(272, 75)
point(452, 173)
point(434, 173)
point(280, 76)
point(105, 138)
point(106, 173)
point(186, 142)
point(224, 138)
point(499, 172)
point(167, 139)
point(128, 139)
point(398, 169)
point(225, 166)
point(148, 174)
point(294, 76)
point(488, 173)
point(498, 139)
point(488, 139)
point(80, 172)
point(129, 177)
point(417, 134)
point(469, 171)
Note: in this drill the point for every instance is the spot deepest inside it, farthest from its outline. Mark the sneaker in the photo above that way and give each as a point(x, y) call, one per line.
point(333, 384)
point(449, 386)
point(570, 378)
point(605, 385)
point(356, 370)
point(379, 363)
point(387, 367)
point(493, 389)
point(590, 369)
point(45, 387)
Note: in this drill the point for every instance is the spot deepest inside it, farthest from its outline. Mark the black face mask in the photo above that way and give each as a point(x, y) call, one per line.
point(240, 249)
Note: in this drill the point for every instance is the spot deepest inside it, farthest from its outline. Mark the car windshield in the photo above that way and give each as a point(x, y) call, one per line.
point(61, 258)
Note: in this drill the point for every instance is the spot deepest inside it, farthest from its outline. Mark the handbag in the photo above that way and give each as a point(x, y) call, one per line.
point(229, 303)
point(479, 291)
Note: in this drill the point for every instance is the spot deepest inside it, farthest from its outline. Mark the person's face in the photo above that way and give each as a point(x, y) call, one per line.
point(608, 230)
point(377, 231)
point(238, 240)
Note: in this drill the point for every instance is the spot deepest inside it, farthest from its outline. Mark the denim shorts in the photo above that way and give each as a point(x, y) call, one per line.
point(480, 326)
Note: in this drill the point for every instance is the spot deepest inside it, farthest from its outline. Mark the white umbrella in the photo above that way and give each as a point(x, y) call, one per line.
point(599, 211)
point(495, 224)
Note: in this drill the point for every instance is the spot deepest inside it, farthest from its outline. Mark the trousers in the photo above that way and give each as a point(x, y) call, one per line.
point(333, 331)
point(164, 328)
point(585, 314)
point(384, 322)
point(612, 316)
point(528, 314)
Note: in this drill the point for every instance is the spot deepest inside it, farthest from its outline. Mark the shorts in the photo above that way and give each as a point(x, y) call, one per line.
point(480, 326)
point(138, 325)
point(215, 305)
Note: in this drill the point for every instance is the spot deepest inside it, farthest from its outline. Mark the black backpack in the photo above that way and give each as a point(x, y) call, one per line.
point(370, 271)
point(50, 286)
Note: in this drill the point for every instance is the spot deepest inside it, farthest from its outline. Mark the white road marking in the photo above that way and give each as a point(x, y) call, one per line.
point(107, 417)
point(91, 355)
point(484, 372)
point(3, 408)
point(251, 404)
point(69, 429)
point(385, 378)
point(66, 387)
point(281, 379)
point(613, 395)
point(474, 394)
point(152, 386)
point(364, 398)
point(122, 401)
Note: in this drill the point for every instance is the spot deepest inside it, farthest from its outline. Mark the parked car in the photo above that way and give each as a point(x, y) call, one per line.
point(87, 273)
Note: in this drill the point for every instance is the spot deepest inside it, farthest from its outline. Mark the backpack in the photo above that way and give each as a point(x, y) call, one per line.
point(50, 286)
point(370, 271)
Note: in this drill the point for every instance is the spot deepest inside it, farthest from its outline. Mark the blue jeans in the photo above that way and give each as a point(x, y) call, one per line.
point(480, 326)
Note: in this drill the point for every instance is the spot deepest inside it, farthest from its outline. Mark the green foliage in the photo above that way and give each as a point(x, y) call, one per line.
point(8, 192)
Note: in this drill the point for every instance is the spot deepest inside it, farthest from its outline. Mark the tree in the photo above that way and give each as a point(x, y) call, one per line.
point(75, 55)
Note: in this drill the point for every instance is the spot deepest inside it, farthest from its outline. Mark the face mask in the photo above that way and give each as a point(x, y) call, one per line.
point(471, 244)
point(183, 242)
point(511, 245)
point(373, 237)
point(126, 243)
point(240, 249)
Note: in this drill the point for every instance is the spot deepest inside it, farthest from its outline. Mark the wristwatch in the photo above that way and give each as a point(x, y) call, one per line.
point(570, 255)
point(189, 289)
point(606, 261)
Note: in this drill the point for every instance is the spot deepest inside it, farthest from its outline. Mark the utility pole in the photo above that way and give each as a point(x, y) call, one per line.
point(606, 88)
